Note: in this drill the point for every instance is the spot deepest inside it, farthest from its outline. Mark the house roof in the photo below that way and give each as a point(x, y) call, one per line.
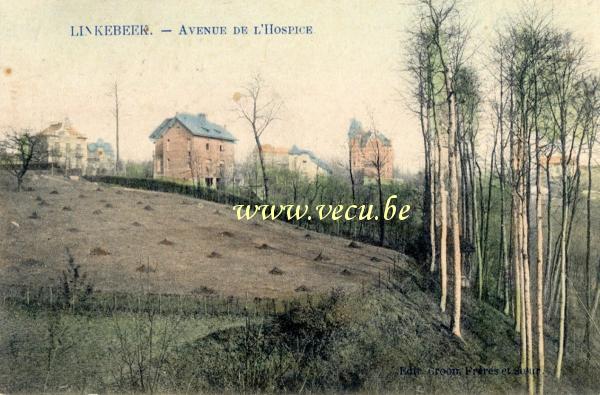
point(298, 151)
point(356, 131)
point(196, 124)
point(55, 128)
point(100, 144)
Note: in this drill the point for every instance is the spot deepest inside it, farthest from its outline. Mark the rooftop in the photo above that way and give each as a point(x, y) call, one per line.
point(356, 131)
point(299, 151)
point(100, 144)
point(57, 128)
point(196, 124)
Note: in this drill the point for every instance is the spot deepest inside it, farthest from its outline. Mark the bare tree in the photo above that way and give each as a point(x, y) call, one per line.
point(591, 109)
point(195, 163)
point(448, 42)
point(259, 113)
point(19, 151)
point(379, 159)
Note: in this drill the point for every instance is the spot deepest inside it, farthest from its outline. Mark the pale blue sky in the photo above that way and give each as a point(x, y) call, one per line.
point(349, 67)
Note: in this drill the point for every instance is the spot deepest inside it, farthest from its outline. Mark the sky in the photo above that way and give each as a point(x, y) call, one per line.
point(351, 66)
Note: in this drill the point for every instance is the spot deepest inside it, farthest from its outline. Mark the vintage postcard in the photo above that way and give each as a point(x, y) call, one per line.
point(353, 196)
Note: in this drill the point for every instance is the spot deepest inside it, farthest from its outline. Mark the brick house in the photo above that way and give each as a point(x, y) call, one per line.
point(189, 147)
point(364, 147)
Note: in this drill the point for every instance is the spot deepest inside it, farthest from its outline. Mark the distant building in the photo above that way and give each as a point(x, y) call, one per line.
point(101, 158)
point(307, 163)
point(66, 147)
point(189, 147)
point(272, 156)
point(295, 159)
point(367, 148)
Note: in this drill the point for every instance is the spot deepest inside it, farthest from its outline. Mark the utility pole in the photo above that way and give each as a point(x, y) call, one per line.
point(117, 127)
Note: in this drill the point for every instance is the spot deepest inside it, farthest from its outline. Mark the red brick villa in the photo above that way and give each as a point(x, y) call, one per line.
point(368, 147)
point(189, 147)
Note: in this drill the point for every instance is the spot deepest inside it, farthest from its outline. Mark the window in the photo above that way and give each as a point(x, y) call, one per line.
point(168, 163)
point(189, 145)
point(207, 147)
point(221, 148)
point(167, 147)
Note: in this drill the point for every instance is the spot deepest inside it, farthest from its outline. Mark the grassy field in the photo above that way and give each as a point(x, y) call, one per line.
point(189, 246)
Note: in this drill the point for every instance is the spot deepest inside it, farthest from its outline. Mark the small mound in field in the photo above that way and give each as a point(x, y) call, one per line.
point(29, 189)
point(32, 263)
point(307, 236)
point(39, 198)
point(82, 196)
point(214, 254)
point(264, 246)
point(353, 245)
point(108, 205)
point(34, 215)
point(136, 224)
point(98, 189)
point(54, 192)
point(256, 224)
point(375, 259)
point(72, 230)
point(102, 200)
point(44, 203)
point(97, 212)
point(166, 242)
point(226, 234)
point(98, 251)
point(276, 271)
point(203, 290)
point(67, 208)
point(139, 203)
point(148, 208)
point(217, 211)
point(302, 288)
point(346, 272)
point(119, 192)
point(145, 269)
point(321, 257)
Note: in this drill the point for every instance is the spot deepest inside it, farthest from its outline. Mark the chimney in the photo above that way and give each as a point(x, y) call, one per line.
point(202, 116)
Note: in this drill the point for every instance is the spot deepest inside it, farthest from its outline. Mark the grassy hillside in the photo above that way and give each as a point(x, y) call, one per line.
point(152, 316)
point(117, 235)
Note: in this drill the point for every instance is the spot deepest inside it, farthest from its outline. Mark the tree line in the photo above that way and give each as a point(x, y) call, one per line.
point(501, 207)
